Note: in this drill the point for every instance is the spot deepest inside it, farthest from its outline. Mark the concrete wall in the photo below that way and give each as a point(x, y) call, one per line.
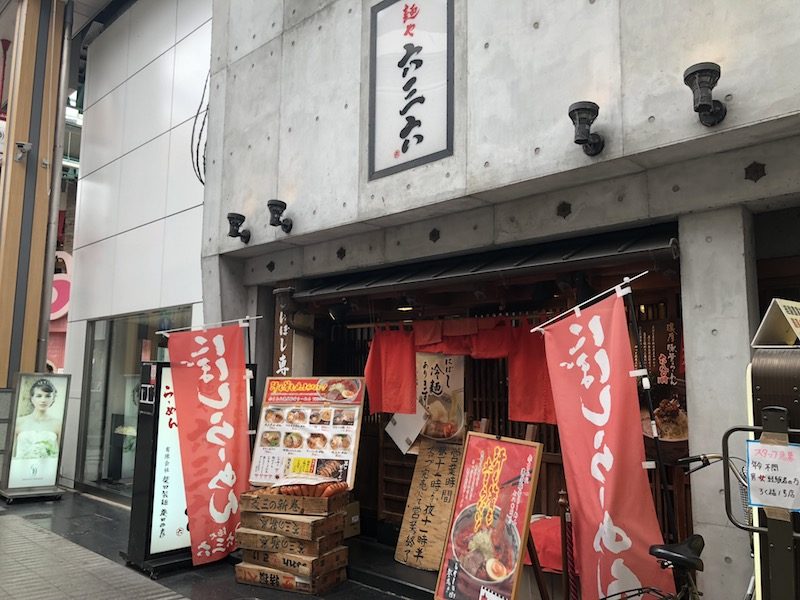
point(290, 95)
point(139, 213)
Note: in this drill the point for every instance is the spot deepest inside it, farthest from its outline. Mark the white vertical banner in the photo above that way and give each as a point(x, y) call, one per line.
point(169, 529)
point(411, 93)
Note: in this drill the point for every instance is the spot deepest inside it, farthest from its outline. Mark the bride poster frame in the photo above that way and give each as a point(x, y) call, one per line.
point(22, 384)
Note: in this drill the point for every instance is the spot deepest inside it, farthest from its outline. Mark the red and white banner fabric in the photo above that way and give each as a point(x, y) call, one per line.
point(209, 375)
point(589, 360)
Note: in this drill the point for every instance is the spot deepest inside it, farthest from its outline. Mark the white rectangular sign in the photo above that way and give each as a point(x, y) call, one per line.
point(169, 529)
point(411, 94)
point(773, 475)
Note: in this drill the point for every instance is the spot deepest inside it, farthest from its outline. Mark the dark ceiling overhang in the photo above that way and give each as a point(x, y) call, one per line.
point(635, 245)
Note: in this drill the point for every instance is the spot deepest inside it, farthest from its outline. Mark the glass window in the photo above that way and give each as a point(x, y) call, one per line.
point(116, 350)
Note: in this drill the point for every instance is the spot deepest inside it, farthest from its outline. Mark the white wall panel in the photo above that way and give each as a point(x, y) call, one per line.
point(184, 190)
point(101, 139)
point(98, 199)
point(93, 279)
point(153, 25)
point(143, 184)
point(137, 273)
point(192, 57)
point(192, 14)
point(181, 280)
point(148, 102)
point(107, 60)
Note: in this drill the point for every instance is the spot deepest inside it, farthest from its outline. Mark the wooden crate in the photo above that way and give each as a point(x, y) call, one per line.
point(253, 539)
point(273, 578)
point(307, 566)
point(296, 505)
point(304, 527)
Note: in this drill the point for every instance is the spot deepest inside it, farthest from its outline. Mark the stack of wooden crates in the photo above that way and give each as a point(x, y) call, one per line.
point(292, 542)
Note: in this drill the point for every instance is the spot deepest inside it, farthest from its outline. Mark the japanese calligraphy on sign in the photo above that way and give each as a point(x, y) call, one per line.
point(411, 94)
point(430, 505)
point(209, 375)
point(773, 475)
point(169, 529)
point(440, 403)
point(284, 341)
point(308, 430)
point(589, 360)
point(490, 522)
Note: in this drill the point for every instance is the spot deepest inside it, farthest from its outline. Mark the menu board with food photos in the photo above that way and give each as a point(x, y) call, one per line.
point(308, 430)
point(489, 526)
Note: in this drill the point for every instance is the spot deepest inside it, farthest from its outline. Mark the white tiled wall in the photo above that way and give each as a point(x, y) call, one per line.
point(139, 216)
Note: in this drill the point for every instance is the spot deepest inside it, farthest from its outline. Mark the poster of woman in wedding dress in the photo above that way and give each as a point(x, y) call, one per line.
point(41, 399)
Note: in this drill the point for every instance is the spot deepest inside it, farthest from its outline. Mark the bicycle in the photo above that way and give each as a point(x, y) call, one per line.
point(685, 557)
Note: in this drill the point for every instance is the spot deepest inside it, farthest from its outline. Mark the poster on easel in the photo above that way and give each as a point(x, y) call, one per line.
point(489, 526)
point(308, 430)
point(35, 434)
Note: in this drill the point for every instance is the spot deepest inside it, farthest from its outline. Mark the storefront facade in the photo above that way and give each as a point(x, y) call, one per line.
point(136, 267)
point(290, 98)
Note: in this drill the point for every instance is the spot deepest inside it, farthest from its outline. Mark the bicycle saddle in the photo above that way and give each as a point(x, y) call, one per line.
point(684, 554)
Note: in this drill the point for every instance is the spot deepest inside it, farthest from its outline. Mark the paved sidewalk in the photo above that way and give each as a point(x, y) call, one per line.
point(36, 563)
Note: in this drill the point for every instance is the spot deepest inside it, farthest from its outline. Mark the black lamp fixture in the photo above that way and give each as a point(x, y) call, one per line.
point(236, 220)
point(405, 304)
point(583, 115)
point(701, 79)
point(276, 208)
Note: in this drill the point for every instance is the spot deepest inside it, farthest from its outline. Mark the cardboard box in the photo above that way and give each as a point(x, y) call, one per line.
point(273, 578)
point(297, 505)
point(352, 520)
point(304, 527)
point(253, 539)
point(306, 566)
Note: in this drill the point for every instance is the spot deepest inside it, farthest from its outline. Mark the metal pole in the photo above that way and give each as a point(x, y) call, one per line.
point(55, 194)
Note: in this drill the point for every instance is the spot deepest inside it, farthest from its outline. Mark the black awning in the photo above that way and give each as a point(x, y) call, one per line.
point(557, 256)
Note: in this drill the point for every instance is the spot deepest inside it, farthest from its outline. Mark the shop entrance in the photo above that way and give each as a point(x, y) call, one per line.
point(344, 321)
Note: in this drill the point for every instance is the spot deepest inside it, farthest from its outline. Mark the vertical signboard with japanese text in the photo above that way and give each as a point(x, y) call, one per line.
point(211, 397)
point(38, 419)
point(589, 360)
point(411, 87)
point(430, 504)
point(308, 430)
point(490, 524)
point(169, 527)
point(284, 340)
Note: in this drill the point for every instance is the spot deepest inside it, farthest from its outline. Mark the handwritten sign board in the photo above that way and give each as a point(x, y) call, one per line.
point(308, 430)
point(488, 530)
point(430, 504)
point(440, 403)
point(773, 475)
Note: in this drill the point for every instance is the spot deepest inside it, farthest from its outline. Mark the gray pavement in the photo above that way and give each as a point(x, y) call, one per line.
point(36, 564)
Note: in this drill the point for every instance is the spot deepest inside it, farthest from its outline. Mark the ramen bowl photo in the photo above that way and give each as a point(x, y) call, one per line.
point(445, 418)
point(488, 555)
point(338, 390)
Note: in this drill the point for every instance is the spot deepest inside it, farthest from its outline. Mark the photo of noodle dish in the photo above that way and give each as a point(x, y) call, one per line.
point(316, 441)
point(273, 416)
point(320, 416)
point(445, 418)
point(292, 440)
point(341, 441)
point(488, 555)
point(338, 390)
point(296, 416)
point(271, 439)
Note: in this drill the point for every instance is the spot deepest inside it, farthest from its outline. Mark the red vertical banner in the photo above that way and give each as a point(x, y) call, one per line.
point(209, 377)
point(596, 401)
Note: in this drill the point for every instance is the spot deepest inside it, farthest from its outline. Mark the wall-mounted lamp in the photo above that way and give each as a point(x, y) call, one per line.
point(276, 208)
point(583, 115)
point(701, 79)
point(235, 220)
